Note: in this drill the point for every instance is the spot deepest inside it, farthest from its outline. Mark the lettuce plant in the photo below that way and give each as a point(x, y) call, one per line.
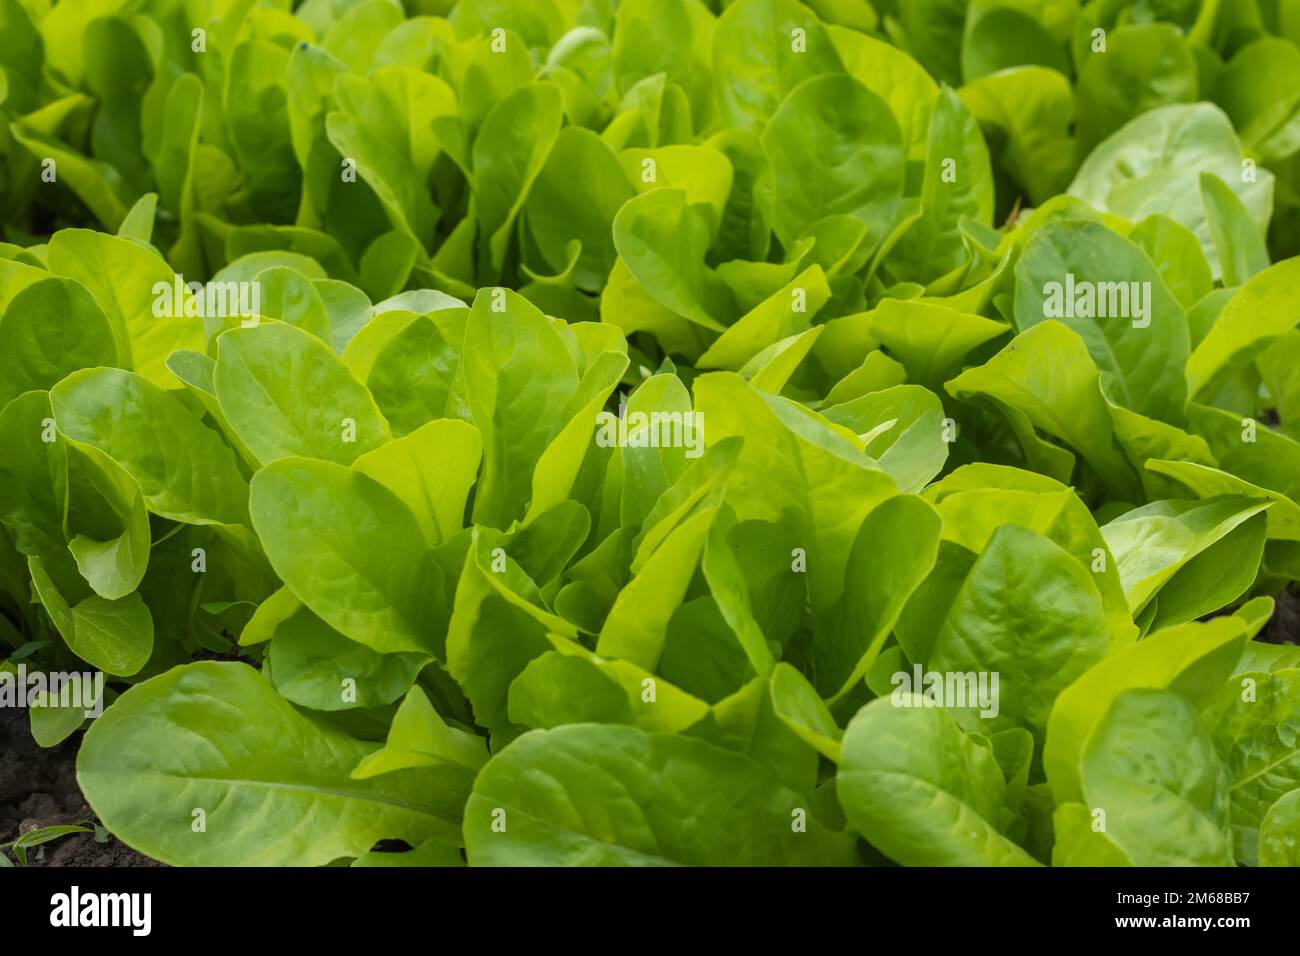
point(554, 432)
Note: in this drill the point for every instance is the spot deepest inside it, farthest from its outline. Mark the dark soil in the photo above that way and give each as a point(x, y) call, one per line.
point(1284, 626)
point(38, 788)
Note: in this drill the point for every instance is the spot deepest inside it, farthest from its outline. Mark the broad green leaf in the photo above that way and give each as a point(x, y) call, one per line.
point(1027, 111)
point(1257, 89)
point(675, 37)
point(184, 470)
point(1079, 841)
point(359, 30)
point(930, 340)
point(932, 30)
point(285, 393)
point(628, 305)
point(561, 464)
point(255, 103)
point(1249, 450)
point(906, 428)
point(794, 466)
point(1253, 721)
point(770, 370)
point(702, 173)
point(1144, 66)
point(1174, 251)
point(1145, 439)
point(614, 689)
point(895, 77)
point(180, 167)
point(347, 308)
point(387, 264)
point(1207, 482)
point(33, 475)
point(1239, 241)
point(740, 598)
point(114, 635)
point(519, 374)
point(107, 524)
point(49, 329)
point(922, 791)
point(650, 466)
point(746, 229)
point(746, 722)
point(1156, 544)
point(1279, 835)
point(24, 53)
point(51, 723)
point(876, 373)
point(1047, 374)
point(352, 551)
point(139, 222)
point(273, 786)
point(717, 658)
point(558, 688)
point(1107, 291)
point(1193, 659)
point(495, 630)
point(957, 186)
point(976, 501)
point(596, 795)
point(16, 275)
point(1005, 34)
point(281, 605)
point(291, 297)
point(894, 550)
point(576, 196)
point(797, 703)
point(537, 23)
point(788, 311)
point(313, 665)
point(1256, 315)
point(1154, 164)
point(763, 49)
point(1279, 368)
point(1029, 612)
point(128, 282)
point(835, 148)
point(662, 241)
point(635, 628)
point(545, 544)
point(417, 375)
point(118, 68)
point(1256, 613)
point(420, 737)
point(94, 182)
point(1202, 316)
point(698, 482)
point(384, 124)
point(509, 153)
point(1150, 765)
point(432, 470)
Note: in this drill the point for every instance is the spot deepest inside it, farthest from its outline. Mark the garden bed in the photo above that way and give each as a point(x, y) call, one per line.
point(38, 789)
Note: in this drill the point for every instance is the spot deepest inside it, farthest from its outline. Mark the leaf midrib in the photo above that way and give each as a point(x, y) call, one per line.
point(314, 790)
